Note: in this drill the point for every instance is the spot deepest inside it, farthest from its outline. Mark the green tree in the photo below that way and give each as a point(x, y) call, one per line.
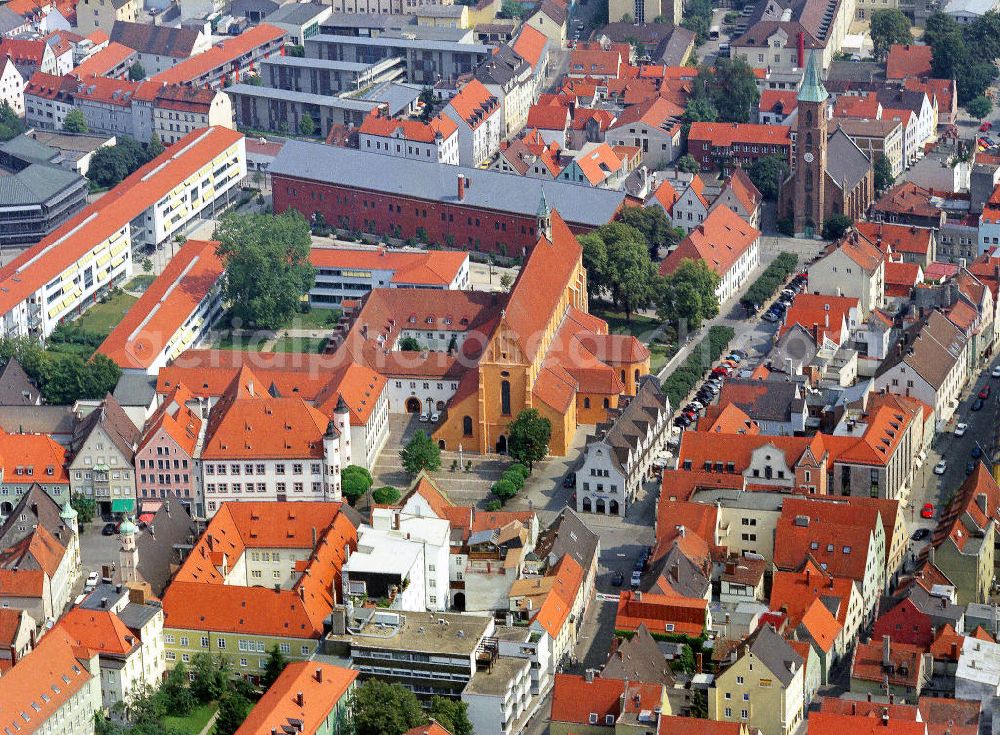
point(11, 125)
point(86, 508)
point(136, 72)
point(426, 101)
point(979, 107)
point(836, 227)
point(688, 294)
point(888, 27)
point(730, 87)
point(276, 663)
point(233, 710)
point(307, 126)
point(629, 272)
point(176, 693)
point(701, 110)
point(267, 266)
point(452, 715)
point(503, 490)
point(883, 173)
point(420, 453)
point(381, 708)
point(652, 222)
point(355, 481)
point(528, 437)
point(409, 344)
point(75, 122)
point(506, 281)
point(511, 9)
point(767, 173)
point(147, 265)
point(983, 35)
point(296, 50)
point(154, 148)
point(386, 495)
point(211, 677)
point(687, 164)
point(595, 261)
point(101, 376)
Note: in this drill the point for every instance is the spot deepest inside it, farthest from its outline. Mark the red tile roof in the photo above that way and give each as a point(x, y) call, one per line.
point(657, 113)
point(743, 190)
point(908, 60)
point(661, 613)
point(945, 716)
point(39, 264)
point(38, 550)
point(474, 104)
point(724, 135)
point(164, 309)
point(306, 692)
point(973, 508)
point(23, 51)
point(530, 44)
point(574, 699)
point(41, 683)
point(720, 241)
point(102, 62)
point(900, 278)
point(99, 630)
point(666, 195)
point(835, 534)
point(181, 423)
point(226, 52)
point(794, 592)
point(863, 107)
point(199, 599)
point(548, 117)
point(907, 662)
point(596, 62)
point(779, 100)
point(826, 723)
point(32, 458)
point(902, 238)
point(830, 314)
point(426, 267)
point(408, 129)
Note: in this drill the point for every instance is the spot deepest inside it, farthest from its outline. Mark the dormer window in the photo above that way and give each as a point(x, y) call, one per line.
point(593, 718)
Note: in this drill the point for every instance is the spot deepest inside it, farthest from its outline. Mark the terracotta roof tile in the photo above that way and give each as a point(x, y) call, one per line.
point(408, 129)
point(226, 52)
point(866, 663)
point(99, 630)
point(548, 117)
point(724, 135)
point(720, 241)
point(530, 44)
point(474, 103)
point(908, 60)
point(661, 613)
point(829, 313)
point(321, 686)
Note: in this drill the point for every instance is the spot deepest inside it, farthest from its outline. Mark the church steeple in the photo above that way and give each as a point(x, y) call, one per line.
point(812, 89)
point(544, 218)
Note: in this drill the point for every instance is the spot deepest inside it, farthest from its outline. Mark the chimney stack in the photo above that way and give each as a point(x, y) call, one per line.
point(886, 650)
point(319, 675)
point(461, 188)
point(300, 700)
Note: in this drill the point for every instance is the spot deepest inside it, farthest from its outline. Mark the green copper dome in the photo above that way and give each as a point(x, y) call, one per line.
point(812, 89)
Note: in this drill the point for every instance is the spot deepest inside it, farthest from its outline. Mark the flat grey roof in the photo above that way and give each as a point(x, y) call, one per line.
point(497, 679)
point(321, 100)
point(316, 63)
point(489, 190)
point(398, 95)
point(76, 142)
point(295, 13)
point(422, 632)
point(407, 43)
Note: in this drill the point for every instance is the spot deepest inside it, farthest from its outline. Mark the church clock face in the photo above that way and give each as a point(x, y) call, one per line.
point(808, 157)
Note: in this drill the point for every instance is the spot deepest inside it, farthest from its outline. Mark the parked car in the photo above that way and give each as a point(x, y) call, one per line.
point(92, 581)
point(770, 316)
point(941, 467)
point(985, 392)
point(617, 579)
point(986, 127)
point(960, 429)
point(996, 372)
point(570, 480)
point(978, 405)
point(435, 417)
point(636, 579)
point(927, 511)
point(920, 534)
point(682, 422)
point(425, 416)
point(109, 529)
point(739, 353)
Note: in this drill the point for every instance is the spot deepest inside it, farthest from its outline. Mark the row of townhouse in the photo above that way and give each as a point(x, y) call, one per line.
point(121, 107)
point(65, 272)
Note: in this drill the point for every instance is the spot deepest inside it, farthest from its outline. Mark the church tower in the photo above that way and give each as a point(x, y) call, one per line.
point(810, 154)
point(128, 554)
point(543, 218)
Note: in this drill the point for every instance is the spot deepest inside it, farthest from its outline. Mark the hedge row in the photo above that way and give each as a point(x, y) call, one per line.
point(693, 369)
point(770, 280)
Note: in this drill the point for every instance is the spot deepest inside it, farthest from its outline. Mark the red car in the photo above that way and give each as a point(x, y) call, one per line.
point(985, 392)
point(986, 127)
point(927, 511)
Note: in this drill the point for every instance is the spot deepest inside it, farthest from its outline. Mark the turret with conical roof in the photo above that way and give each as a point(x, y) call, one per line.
point(544, 218)
point(812, 89)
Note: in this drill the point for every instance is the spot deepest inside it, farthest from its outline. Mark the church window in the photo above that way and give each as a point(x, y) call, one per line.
point(505, 397)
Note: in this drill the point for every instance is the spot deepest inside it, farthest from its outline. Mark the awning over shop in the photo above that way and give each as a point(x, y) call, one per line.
point(123, 505)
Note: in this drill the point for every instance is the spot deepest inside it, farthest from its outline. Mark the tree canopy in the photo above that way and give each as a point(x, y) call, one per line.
point(267, 266)
point(75, 122)
point(420, 453)
point(687, 164)
point(836, 227)
point(386, 495)
point(355, 481)
point(452, 715)
point(528, 437)
point(979, 107)
point(767, 173)
point(136, 72)
point(618, 263)
point(883, 173)
point(11, 125)
point(688, 294)
point(888, 26)
point(965, 53)
point(729, 87)
point(111, 164)
point(381, 708)
point(652, 222)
